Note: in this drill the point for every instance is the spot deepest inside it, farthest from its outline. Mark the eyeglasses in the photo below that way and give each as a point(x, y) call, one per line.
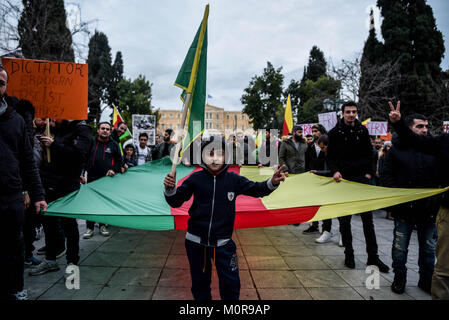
point(107, 129)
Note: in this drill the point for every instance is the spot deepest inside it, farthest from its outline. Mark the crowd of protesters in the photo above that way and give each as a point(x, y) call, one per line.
point(37, 169)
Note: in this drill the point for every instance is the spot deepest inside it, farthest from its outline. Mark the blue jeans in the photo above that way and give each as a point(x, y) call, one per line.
point(427, 237)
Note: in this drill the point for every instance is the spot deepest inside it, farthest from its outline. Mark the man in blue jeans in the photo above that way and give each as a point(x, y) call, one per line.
point(406, 167)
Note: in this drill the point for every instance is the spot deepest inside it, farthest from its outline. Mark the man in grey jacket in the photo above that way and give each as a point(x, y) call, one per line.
point(292, 152)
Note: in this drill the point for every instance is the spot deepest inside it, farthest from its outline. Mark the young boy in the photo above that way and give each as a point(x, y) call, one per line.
point(212, 216)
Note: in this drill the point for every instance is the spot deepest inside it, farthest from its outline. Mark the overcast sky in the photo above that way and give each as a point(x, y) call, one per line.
point(154, 37)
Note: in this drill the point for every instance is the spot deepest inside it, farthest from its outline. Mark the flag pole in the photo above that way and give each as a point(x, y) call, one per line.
point(185, 108)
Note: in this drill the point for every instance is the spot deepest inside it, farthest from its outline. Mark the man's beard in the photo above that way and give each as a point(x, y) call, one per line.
point(297, 138)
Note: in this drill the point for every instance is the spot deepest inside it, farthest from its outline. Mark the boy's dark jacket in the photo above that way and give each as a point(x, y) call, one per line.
point(212, 213)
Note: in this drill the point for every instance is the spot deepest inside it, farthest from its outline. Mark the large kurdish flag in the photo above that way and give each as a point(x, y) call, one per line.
point(136, 200)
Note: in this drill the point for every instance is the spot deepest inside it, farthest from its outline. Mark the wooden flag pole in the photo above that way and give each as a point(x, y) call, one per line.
point(185, 109)
point(47, 133)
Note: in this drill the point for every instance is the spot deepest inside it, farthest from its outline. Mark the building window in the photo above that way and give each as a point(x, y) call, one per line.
point(171, 115)
point(218, 116)
point(243, 117)
point(217, 127)
point(243, 128)
point(179, 116)
point(164, 115)
point(227, 117)
point(235, 117)
point(227, 127)
point(163, 126)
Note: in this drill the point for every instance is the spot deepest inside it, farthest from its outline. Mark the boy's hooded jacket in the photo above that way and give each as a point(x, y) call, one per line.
point(212, 213)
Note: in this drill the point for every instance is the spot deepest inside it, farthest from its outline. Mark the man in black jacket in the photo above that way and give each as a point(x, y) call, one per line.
point(438, 146)
point(17, 167)
point(105, 159)
point(406, 167)
point(349, 156)
point(69, 147)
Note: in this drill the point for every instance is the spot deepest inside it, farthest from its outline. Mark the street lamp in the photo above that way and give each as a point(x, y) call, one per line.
point(332, 105)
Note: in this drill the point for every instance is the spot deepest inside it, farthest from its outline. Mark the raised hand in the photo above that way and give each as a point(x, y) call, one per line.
point(170, 181)
point(279, 176)
point(395, 113)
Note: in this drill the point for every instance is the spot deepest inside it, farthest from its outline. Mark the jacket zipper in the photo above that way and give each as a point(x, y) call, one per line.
point(212, 213)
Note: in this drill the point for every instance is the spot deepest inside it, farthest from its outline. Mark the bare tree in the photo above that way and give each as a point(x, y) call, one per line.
point(368, 84)
point(11, 11)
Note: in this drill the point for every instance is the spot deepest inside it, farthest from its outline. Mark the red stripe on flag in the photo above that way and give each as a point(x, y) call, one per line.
point(251, 212)
point(278, 217)
point(285, 130)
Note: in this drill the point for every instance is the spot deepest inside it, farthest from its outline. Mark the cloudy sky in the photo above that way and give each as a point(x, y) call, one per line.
point(243, 35)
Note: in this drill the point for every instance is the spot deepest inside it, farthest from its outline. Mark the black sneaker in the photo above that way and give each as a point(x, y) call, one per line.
point(349, 261)
point(41, 251)
point(377, 262)
point(398, 285)
point(311, 229)
point(425, 284)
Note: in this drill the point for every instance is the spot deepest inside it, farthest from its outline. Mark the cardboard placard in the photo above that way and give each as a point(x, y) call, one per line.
point(328, 120)
point(306, 128)
point(57, 90)
point(377, 128)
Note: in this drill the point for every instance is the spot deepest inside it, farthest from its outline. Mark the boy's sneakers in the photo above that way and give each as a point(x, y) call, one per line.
point(104, 231)
point(22, 295)
point(311, 229)
point(60, 254)
point(31, 261)
point(44, 267)
point(88, 234)
point(325, 237)
point(41, 251)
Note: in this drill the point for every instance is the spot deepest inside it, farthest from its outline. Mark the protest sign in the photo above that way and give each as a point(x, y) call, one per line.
point(57, 90)
point(328, 120)
point(445, 126)
point(306, 128)
point(377, 128)
point(144, 123)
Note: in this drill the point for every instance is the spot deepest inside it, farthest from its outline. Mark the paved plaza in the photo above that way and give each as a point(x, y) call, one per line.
point(275, 263)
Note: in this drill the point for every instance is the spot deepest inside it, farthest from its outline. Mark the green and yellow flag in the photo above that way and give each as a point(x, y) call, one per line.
point(192, 79)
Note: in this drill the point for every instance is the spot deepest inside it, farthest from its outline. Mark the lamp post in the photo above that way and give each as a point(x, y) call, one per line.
point(332, 105)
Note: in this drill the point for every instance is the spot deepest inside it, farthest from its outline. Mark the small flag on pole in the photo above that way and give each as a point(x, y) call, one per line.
point(288, 118)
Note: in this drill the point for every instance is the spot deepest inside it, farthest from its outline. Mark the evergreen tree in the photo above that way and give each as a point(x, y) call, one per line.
point(413, 41)
point(117, 76)
point(370, 80)
point(263, 97)
point(317, 65)
point(135, 98)
point(100, 74)
point(43, 31)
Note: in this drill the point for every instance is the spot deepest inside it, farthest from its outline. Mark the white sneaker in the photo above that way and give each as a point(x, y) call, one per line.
point(325, 237)
point(340, 242)
point(88, 234)
point(104, 231)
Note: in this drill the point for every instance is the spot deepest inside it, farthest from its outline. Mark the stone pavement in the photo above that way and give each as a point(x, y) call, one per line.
point(275, 263)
